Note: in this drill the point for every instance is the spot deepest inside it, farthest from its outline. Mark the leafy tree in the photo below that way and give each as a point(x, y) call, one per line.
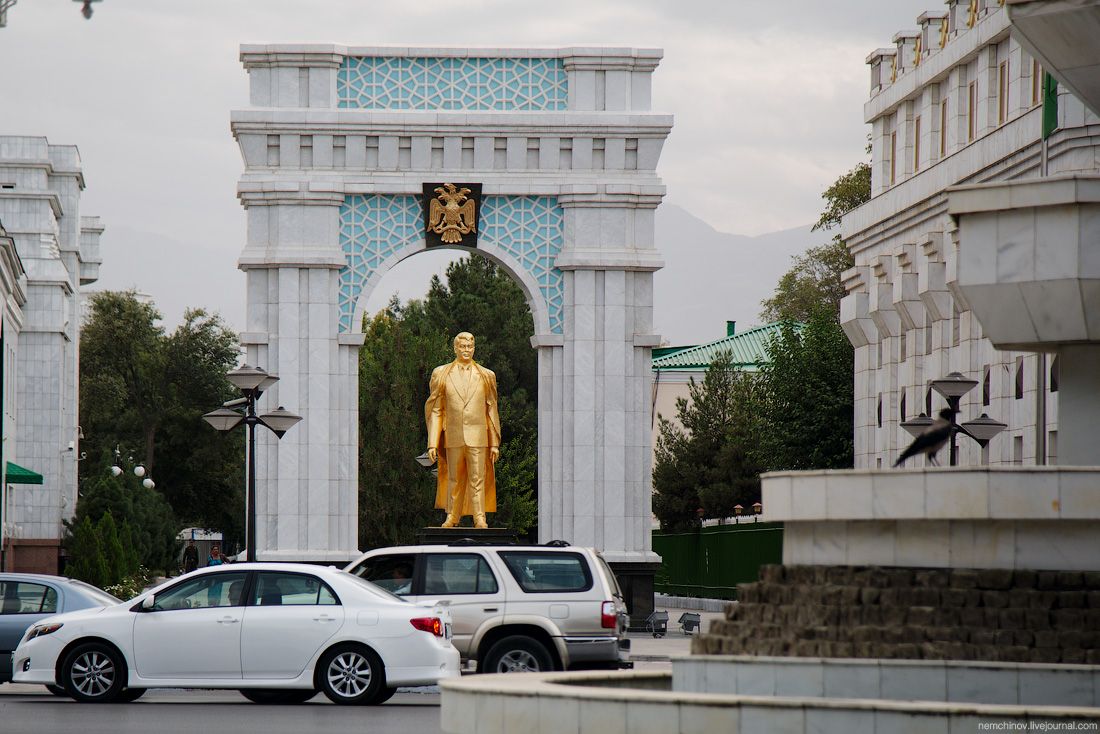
point(846, 193)
point(815, 278)
point(709, 463)
point(806, 403)
point(145, 391)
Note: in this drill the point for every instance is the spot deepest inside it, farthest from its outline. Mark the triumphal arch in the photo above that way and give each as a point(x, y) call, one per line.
point(338, 144)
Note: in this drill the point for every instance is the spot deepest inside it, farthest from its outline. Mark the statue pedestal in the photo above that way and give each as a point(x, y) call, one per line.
point(481, 536)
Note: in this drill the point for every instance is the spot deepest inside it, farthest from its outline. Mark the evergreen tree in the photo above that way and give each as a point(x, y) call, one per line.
point(709, 463)
point(86, 558)
point(113, 554)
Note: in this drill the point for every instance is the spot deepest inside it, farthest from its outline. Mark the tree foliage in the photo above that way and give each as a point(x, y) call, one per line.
point(815, 278)
point(846, 193)
point(806, 397)
point(708, 463)
point(144, 527)
point(403, 343)
point(796, 413)
point(144, 391)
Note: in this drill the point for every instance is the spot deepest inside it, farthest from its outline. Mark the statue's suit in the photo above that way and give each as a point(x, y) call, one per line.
point(463, 425)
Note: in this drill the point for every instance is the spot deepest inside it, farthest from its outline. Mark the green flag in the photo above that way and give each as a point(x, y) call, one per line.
point(1050, 105)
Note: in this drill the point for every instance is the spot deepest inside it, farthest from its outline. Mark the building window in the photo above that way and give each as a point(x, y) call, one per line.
point(1017, 450)
point(972, 111)
point(901, 405)
point(916, 144)
point(1019, 377)
point(956, 328)
point(943, 128)
point(1036, 81)
point(878, 411)
point(1052, 447)
point(927, 333)
point(928, 401)
point(1054, 374)
point(903, 351)
point(1002, 93)
point(893, 157)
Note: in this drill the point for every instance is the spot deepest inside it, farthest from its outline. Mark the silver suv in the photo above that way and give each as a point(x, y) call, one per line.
point(515, 608)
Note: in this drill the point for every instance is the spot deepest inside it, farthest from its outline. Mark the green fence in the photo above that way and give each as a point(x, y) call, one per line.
point(711, 561)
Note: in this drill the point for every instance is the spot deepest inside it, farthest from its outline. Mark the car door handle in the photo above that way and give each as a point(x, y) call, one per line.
point(228, 620)
point(491, 609)
point(324, 618)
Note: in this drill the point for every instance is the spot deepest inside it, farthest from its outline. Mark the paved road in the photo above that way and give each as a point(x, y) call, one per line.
point(32, 710)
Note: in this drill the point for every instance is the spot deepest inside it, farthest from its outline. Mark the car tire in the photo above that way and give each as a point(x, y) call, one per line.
point(351, 674)
point(58, 691)
point(384, 694)
point(129, 695)
point(277, 696)
point(517, 654)
point(93, 673)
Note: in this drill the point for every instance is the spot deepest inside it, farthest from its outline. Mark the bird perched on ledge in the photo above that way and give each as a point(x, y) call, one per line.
point(931, 439)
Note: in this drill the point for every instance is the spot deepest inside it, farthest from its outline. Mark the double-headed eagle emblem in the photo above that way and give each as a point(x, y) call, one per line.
point(451, 213)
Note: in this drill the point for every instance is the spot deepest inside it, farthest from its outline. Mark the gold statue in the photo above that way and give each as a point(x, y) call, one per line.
point(464, 435)
point(448, 217)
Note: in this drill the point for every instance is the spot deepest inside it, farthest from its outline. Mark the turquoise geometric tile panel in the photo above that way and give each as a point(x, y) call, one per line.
point(529, 230)
point(420, 83)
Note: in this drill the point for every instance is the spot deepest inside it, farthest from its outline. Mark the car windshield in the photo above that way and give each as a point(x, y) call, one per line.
point(374, 588)
point(95, 593)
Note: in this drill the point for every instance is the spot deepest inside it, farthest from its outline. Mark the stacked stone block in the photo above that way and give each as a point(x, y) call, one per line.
point(913, 613)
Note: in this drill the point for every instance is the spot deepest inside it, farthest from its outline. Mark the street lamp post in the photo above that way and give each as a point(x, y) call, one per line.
point(952, 388)
point(252, 382)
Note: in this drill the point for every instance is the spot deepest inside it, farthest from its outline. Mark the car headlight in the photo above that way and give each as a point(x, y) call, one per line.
point(43, 629)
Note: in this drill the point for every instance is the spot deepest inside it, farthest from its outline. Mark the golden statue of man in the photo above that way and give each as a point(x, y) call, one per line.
point(464, 435)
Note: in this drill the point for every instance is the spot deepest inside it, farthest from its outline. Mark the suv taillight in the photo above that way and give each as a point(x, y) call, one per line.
point(609, 618)
point(428, 624)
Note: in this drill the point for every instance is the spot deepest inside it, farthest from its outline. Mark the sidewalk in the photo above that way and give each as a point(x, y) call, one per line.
point(645, 648)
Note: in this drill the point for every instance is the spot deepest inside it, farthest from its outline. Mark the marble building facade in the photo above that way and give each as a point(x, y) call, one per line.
point(957, 101)
point(55, 251)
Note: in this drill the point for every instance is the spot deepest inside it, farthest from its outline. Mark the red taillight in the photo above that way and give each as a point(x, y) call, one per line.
point(429, 624)
point(609, 618)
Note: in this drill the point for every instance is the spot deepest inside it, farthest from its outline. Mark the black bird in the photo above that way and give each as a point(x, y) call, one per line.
point(931, 439)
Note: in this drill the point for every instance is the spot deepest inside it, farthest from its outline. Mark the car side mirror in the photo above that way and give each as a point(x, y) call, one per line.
point(147, 603)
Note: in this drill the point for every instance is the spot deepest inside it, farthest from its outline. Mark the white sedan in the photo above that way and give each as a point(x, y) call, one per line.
point(276, 632)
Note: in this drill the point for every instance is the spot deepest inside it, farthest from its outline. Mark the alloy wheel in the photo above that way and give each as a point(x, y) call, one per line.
point(349, 674)
point(93, 673)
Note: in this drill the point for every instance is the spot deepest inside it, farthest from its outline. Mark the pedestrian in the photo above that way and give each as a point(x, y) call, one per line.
point(216, 558)
point(190, 557)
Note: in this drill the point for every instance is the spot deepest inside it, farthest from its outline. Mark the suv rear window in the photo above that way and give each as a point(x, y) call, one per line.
point(540, 571)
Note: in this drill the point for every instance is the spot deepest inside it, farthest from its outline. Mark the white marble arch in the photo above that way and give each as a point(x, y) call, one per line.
point(504, 259)
point(570, 126)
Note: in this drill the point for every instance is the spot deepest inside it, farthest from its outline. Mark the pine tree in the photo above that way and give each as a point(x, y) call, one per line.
point(113, 554)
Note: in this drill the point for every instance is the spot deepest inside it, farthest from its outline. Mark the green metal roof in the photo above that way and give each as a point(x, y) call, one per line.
point(18, 475)
point(748, 349)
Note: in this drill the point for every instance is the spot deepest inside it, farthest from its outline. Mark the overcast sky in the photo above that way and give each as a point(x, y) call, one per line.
point(767, 97)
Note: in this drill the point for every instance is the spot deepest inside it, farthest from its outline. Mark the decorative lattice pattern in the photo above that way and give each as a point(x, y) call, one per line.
point(530, 229)
point(448, 83)
point(527, 229)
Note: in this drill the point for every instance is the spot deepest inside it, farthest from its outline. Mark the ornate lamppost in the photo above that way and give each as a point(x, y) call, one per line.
point(952, 388)
point(252, 382)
